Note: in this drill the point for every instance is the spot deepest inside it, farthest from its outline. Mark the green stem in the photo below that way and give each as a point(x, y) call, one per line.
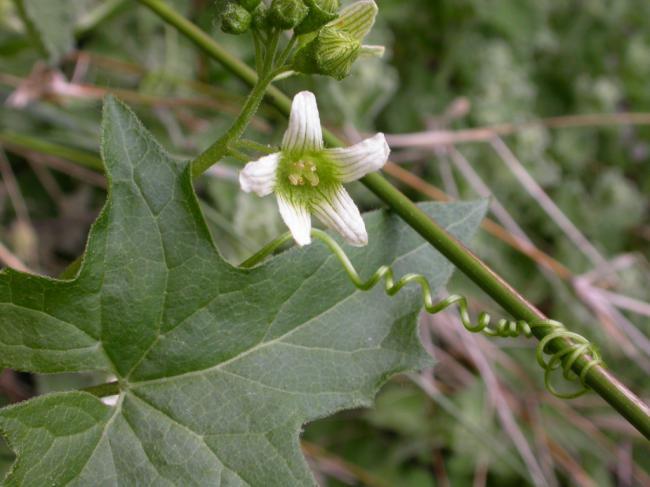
point(237, 154)
point(214, 50)
point(282, 58)
point(599, 379)
point(258, 51)
point(255, 146)
point(219, 149)
point(270, 54)
point(265, 251)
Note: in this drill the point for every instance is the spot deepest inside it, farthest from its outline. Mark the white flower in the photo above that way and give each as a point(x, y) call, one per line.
point(307, 178)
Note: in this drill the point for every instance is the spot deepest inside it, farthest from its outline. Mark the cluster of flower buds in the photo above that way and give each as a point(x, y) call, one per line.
point(329, 39)
point(337, 44)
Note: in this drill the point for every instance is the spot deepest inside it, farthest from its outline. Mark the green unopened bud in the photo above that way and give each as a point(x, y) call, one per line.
point(249, 5)
point(320, 13)
point(286, 14)
point(235, 19)
point(331, 53)
point(261, 17)
point(357, 19)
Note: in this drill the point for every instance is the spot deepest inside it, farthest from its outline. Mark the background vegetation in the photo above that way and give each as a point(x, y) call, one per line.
point(550, 86)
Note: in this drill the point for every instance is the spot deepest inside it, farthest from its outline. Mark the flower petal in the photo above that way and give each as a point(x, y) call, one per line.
point(304, 132)
point(259, 176)
point(356, 161)
point(357, 19)
point(337, 210)
point(298, 220)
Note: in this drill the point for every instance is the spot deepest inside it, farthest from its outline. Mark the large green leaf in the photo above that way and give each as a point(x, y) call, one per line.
point(219, 367)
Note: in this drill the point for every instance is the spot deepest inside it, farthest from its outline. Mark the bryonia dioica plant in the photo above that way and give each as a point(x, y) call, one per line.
point(218, 367)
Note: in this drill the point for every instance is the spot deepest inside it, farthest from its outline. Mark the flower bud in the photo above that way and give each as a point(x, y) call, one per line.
point(235, 19)
point(320, 13)
point(286, 14)
point(249, 5)
point(357, 19)
point(331, 53)
point(261, 17)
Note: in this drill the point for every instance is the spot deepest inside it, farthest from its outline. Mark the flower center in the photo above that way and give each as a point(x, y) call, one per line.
point(303, 172)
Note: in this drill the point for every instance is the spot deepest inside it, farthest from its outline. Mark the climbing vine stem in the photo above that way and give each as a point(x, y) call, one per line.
point(502, 328)
point(596, 377)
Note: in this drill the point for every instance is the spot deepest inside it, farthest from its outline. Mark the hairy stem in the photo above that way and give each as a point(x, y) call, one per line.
point(219, 149)
point(271, 49)
point(282, 58)
point(255, 146)
point(599, 379)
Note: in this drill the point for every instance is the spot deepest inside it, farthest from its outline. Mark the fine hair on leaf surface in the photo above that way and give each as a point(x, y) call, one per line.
point(223, 362)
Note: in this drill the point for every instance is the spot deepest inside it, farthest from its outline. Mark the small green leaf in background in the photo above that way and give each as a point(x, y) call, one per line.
point(219, 367)
point(51, 25)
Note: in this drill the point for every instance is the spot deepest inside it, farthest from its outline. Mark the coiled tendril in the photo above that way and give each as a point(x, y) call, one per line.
point(565, 358)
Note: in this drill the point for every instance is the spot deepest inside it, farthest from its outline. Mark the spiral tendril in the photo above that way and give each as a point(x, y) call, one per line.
point(577, 345)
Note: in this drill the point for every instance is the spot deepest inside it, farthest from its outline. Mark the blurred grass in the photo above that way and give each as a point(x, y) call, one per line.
point(450, 65)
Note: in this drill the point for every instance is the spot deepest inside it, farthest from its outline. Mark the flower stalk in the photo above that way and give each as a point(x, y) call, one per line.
point(221, 147)
point(598, 378)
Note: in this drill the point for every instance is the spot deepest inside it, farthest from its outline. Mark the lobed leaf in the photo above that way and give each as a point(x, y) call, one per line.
point(219, 367)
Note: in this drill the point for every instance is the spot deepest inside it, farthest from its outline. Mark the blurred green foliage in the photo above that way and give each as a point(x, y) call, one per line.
point(512, 61)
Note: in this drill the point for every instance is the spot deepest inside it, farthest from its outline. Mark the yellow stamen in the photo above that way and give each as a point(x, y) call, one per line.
point(313, 178)
point(304, 170)
point(296, 179)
